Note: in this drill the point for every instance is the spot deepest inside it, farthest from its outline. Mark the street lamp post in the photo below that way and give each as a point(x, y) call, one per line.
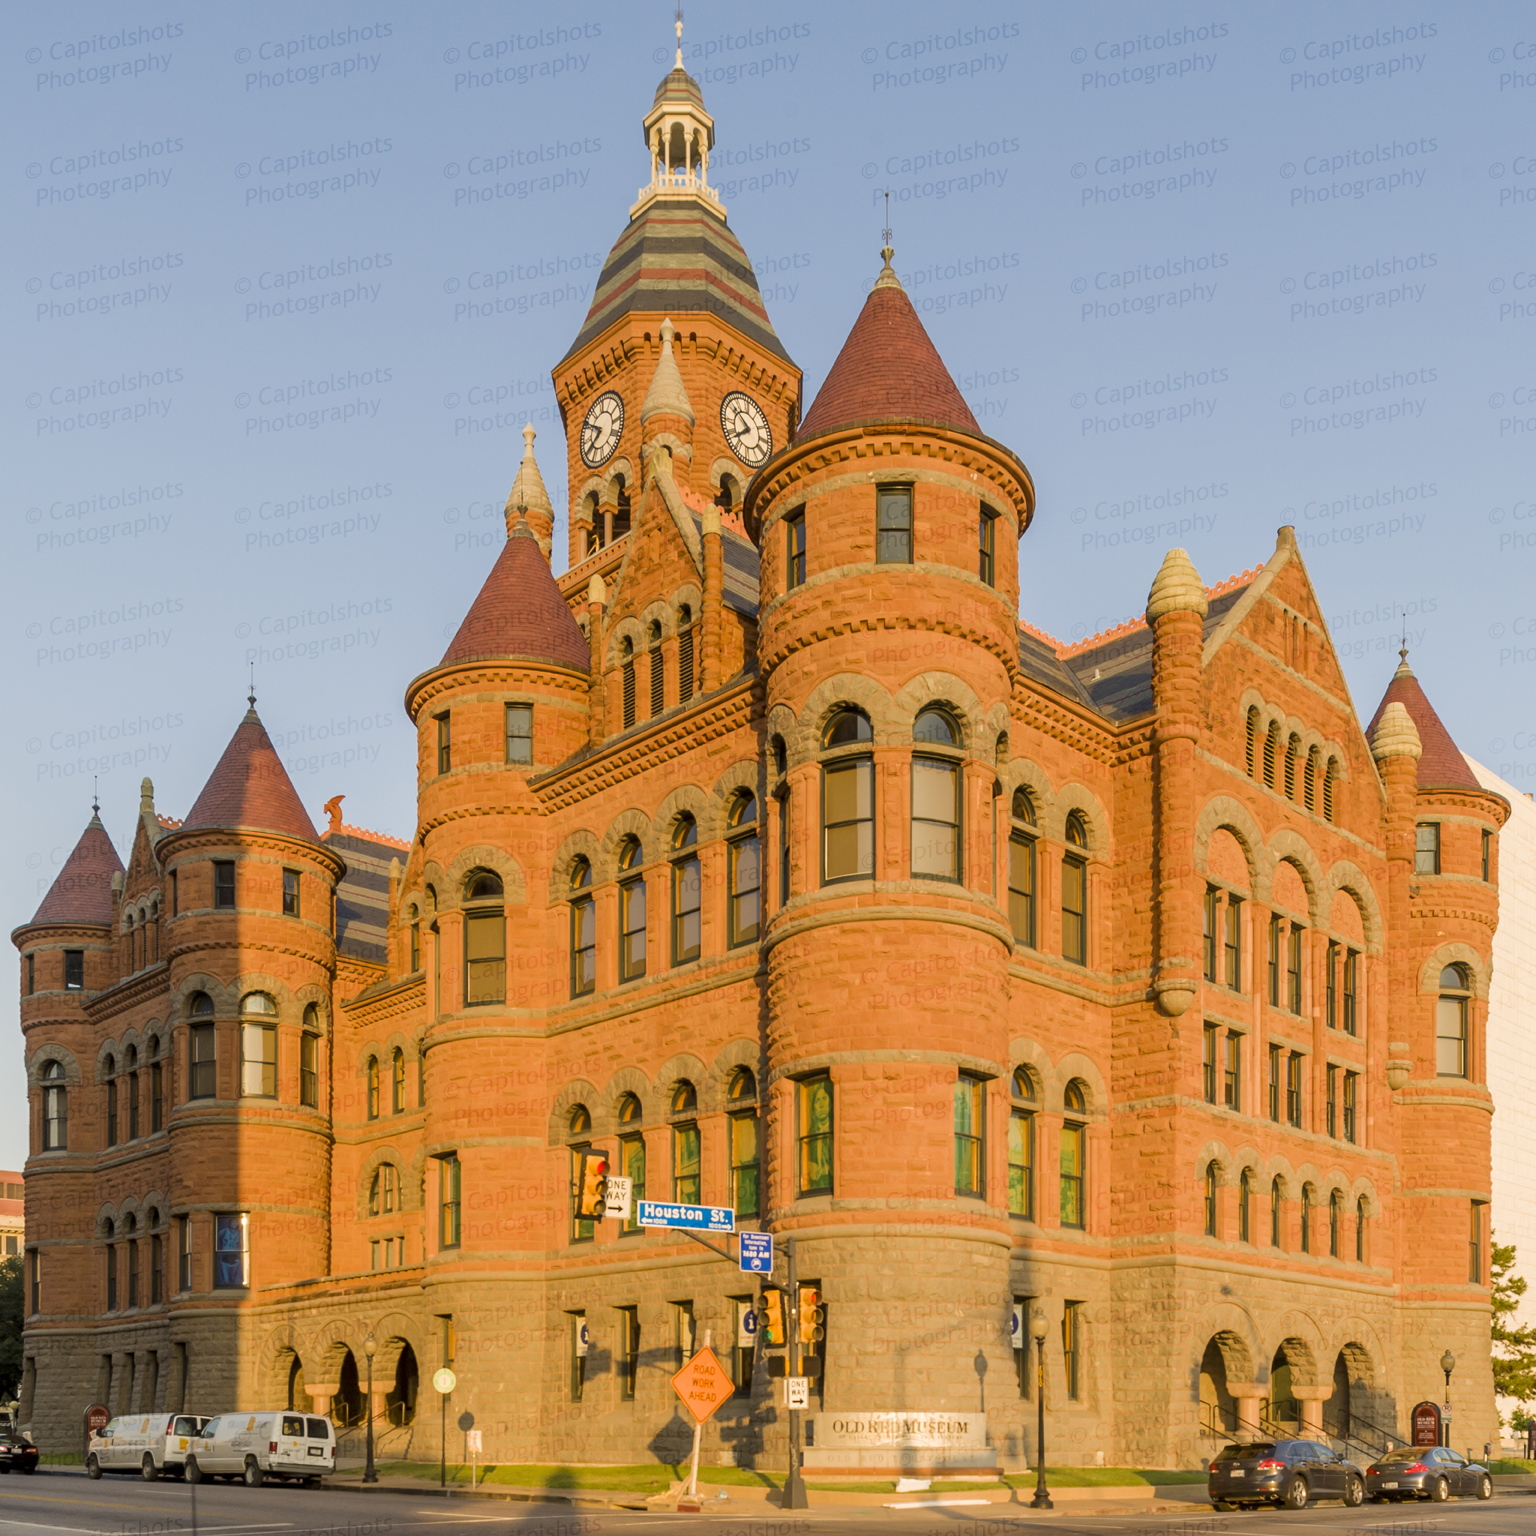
point(369, 1346)
point(1447, 1364)
point(1037, 1325)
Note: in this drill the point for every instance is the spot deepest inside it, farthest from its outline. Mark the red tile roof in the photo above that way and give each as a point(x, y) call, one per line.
point(249, 787)
point(1442, 763)
point(82, 893)
point(888, 370)
point(520, 613)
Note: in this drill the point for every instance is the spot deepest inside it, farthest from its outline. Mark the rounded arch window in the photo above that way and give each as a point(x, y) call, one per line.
point(743, 809)
point(384, 1192)
point(686, 833)
point(626, 648)
point(743, 1085)
point(109, 1066)
point(312, 1016)
point(685, 1097)
point(1023, 1084)
point(130, 1225)
point(1452, 1019)
point(373, 1087)
point(151, 1048)
point(1077, 830)
point(583, 936)
point(482, 885)
point(397, 1081)
point(55, 1108)
point(431, 898)
point(780, 754)
point(1212, 1180)
point(485, 941)
point(629, 1109)
point(848, 726)
point(200, 1006)
point(1024, 807)
point(257, 1002)
point(629, 853)
point(580, 1123)
point(581, 874)
point(152, 1218)
point(744, 870)
point(1075, 1099)
point(53, 1072)
point(130, 1058)
point(936, 727)
point(632, 911)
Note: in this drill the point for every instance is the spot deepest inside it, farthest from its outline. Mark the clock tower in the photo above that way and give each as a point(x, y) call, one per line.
point(676, 260)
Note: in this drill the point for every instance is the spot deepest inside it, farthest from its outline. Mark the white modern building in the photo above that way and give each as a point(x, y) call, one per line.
point(1512, 1038)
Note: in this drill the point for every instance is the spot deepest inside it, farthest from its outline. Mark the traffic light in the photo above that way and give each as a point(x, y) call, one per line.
point(770, 1317)
point(813, 1316)
point(589, 1185)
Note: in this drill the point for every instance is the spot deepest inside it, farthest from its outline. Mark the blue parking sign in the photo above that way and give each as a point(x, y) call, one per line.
point(756, 1252)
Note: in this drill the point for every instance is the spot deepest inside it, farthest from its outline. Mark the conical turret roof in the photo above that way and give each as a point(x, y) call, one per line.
point(888, 371)
point(519, 613)
point(1441, 763)
point(528, 490)
point(249, 787)
point(82, 891)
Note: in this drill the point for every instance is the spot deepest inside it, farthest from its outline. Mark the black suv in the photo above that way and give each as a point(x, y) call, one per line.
point(1286, 1473)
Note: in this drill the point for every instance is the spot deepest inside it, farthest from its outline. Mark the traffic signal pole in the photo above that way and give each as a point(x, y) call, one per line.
point(794, 1484)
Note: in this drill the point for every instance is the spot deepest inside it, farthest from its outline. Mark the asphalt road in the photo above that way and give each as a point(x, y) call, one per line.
point(52, 1502)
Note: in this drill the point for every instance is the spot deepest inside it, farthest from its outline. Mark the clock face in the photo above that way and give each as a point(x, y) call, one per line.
point(746, 429)
point(601, 429)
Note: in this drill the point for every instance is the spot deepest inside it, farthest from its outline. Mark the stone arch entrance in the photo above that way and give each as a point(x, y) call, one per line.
point(291, 1370)
point(347, 1405)
point(1336, 1409)
point(400, 1404)
point(1218, 1408)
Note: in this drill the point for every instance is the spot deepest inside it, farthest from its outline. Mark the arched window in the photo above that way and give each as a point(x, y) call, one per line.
point(397, 1082)
point(202, 1048)
point(658, 674)
point(1074, 1149)
point(583, 930)
point(1360, 1230)
point(485, 941)
point(744, 869)
point(1275, 1214)
point(1451, 1019)
point(1252, 743)
point(1292, 756)
point(109, 1069)
point(580, 1122)
point(55, 1109)
point(627, 677)
point(780, 754)
point(1211, 1213)
point(1074, 892)
point(1306, 1218)
point(741, 1096)
point(1329, 775)
point(309, 1058)
point(1021, 870)
point(1335, 1222)
point(686, 891)
point(935, 799)
point(1245, 1207)
point(373, 1087)
point(685, 679)
point(131, 1066)
point(685, 1144)
point(384, 1192)
point(848, 799)
point(1309, 780)
point(1021, 1145)
point(631, 911)
point(258, 1046)
point(1271, 753)
point(632, 1156)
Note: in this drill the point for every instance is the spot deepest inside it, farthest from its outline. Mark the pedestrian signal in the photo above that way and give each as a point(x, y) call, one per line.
point(589, 1185)
point(770, 1314)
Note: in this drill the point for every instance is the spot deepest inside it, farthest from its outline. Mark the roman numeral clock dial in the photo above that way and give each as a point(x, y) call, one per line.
point(746, 429)
point(601, 429)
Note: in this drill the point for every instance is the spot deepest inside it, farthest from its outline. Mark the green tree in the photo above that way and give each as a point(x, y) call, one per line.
point(1514, 1345)
point(11, 1293)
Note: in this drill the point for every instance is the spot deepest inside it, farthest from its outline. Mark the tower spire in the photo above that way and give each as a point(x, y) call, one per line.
point(679, 37)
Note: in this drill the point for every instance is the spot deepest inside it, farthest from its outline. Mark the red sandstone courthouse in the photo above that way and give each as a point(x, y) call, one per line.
point(768, 851)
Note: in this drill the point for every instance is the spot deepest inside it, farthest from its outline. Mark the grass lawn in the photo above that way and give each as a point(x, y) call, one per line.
point(1511, 1464)
point(653, 1478)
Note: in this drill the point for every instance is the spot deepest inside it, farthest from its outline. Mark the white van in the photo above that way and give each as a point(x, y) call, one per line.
point(146, 1443)
point(256, 1446)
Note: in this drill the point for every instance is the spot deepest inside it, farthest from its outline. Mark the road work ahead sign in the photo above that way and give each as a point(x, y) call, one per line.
point(703, 1384)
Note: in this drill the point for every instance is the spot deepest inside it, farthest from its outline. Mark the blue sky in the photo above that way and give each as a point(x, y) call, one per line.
point(1209, 269)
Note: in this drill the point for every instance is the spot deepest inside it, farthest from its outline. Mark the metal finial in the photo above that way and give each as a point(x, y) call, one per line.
point(1403, 654)
point(679, 37)
point(886, 250)
point(250, 698)
point(95, 795)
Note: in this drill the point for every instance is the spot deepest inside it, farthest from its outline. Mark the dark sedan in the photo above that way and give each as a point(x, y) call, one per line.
point(1288, 1473)
point(1434, 1472)
point(17, 1453)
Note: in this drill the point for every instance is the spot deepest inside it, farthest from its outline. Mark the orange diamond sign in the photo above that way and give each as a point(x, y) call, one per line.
point(703, 1384)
